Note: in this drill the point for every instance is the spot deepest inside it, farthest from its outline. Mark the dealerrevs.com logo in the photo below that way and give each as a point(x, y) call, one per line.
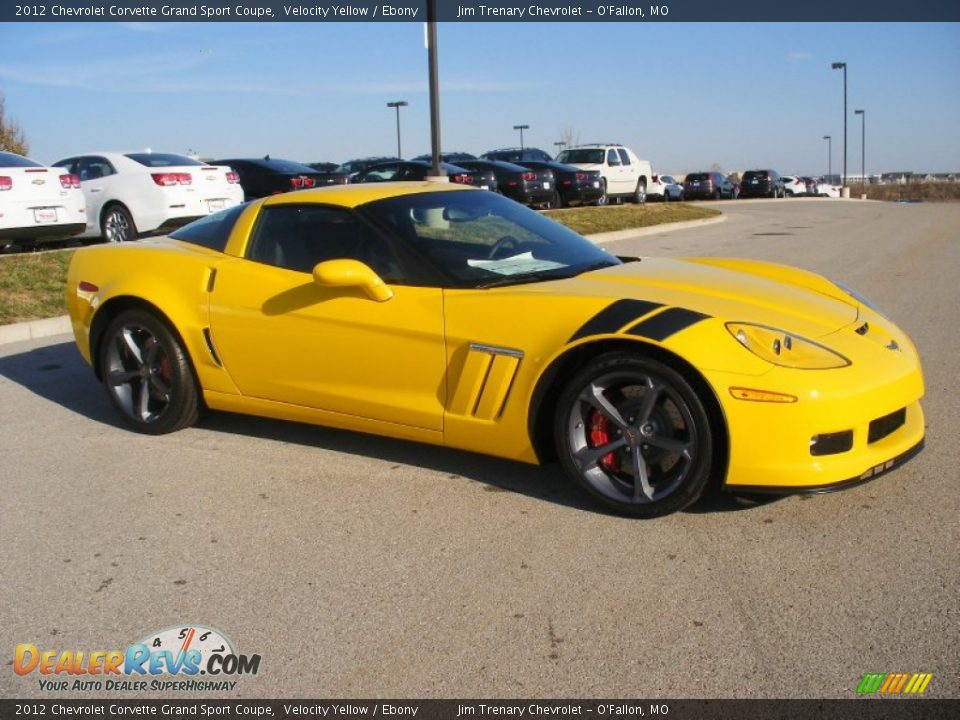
point(170, 660)
point(897, 683)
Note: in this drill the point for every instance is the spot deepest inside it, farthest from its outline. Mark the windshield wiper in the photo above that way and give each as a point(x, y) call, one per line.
point(543, 275)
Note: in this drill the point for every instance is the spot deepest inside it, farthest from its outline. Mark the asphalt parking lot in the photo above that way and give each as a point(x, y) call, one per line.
point(364, 567)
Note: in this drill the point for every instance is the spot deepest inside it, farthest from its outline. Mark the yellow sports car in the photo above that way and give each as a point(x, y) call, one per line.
point(454, 316)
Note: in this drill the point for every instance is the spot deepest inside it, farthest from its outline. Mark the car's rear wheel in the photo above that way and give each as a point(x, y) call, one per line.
point(634, 435)
point(640, 194)
point(555, 201)
point(147, 374)
point(117, 225)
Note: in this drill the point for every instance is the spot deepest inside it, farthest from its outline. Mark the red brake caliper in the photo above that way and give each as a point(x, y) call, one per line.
point(600, 436)
point(165, 371)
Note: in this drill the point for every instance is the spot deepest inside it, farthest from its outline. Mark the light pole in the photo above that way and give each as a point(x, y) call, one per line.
point(843, 66)
point(436, 169)
point(521, 128)
point(829, 140)
point(560, 144)
point(398, 104)
point(863, 149)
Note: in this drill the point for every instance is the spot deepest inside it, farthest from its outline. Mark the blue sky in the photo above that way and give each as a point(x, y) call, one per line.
point(684, 95)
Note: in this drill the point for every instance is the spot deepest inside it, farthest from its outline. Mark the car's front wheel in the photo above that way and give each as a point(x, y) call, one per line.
point(147, 374)
point(634, 435)
point(603, 199)
point(117, 225)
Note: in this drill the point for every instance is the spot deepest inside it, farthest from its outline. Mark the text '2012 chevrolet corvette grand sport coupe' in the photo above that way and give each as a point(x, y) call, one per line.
point(454, 316)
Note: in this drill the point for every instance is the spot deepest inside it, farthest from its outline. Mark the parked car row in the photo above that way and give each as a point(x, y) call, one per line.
point(119, 196)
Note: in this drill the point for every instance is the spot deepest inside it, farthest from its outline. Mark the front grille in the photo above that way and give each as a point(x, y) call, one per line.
point(881, 427)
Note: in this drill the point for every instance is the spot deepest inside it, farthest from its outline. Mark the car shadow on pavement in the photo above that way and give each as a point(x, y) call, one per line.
point(59, 374)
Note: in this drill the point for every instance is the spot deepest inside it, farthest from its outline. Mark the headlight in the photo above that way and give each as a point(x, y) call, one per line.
point(861, 299)
point(782, 348)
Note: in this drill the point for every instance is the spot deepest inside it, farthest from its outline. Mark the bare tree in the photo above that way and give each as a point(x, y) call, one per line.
point(12, 138)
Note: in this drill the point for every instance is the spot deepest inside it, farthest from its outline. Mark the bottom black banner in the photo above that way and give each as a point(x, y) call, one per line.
point(859, 709)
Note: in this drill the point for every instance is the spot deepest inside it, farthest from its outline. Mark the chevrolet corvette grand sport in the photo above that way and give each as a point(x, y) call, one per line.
point(449, 315)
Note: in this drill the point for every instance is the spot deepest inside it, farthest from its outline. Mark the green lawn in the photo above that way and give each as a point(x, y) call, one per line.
point(32, 284)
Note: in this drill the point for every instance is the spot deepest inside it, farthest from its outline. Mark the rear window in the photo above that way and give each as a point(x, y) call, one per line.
point(698, 177)
point(155, 160)
point(11, 160)
point(758, 174)
point(211, 231)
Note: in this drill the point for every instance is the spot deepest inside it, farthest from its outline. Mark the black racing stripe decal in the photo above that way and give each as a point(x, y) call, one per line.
point(614, 316)
point(665, 324)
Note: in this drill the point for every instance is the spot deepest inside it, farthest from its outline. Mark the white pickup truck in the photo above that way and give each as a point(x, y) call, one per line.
point(624, 174)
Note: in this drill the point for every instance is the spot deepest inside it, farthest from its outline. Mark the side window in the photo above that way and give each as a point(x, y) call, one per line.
point(70, 165)
point(297, 237)
point(94, 168)
point(624, 158)
point(612, 158)
point(382, 174)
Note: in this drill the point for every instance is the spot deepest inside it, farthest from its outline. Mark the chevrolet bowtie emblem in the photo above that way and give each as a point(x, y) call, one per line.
point(38, 181)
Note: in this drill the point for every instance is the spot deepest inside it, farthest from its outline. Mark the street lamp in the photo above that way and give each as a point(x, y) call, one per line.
point(843, 66)
point(398, 104)
point(829, 140)
point(436, 169)
point(560, 144)
point(521, 128)
point(863, 149)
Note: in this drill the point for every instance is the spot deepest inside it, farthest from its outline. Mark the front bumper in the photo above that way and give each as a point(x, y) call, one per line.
point(772, 444)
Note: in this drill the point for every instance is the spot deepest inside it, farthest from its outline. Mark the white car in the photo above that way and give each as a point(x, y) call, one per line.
point(624, 174)
point(141, 192)
point(666, 188)
point(794, 185)
point(826, 189)
point(38, 203)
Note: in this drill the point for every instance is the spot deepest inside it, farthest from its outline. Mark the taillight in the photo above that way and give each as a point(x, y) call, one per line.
point(233, 177)
point(296, 182)
point(6, 182)
point(463, 179)
point(168, 179)
point(529, 176)
point(582, 176)
point(309, 182)
point(69, 181)
point(85, 286)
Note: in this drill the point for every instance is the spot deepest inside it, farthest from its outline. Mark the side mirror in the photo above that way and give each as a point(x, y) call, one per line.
point(344, 273)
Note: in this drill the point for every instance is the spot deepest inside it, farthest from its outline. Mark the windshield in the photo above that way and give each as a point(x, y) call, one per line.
point(480, 239)
point(582, 156)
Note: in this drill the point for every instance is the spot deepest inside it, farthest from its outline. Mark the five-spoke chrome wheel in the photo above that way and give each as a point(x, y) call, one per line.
point(147, 374)
point(634, 434)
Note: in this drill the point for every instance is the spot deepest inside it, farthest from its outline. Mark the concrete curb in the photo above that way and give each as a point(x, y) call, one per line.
point(34, 329)
point(606, 237)
point(18, 332)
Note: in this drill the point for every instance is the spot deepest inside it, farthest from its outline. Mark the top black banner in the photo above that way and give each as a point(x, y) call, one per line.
point(482, 11)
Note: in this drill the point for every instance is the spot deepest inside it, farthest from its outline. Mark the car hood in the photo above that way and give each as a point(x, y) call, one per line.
point(779, 296)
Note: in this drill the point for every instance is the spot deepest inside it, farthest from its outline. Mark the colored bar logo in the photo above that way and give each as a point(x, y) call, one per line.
point(894, 683)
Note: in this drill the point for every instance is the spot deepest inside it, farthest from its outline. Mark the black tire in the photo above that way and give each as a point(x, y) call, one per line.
point(640, 194)
point(148, 375)
point(717, 195)
point(555, 202)
point(658, 424)
point(116, 224)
